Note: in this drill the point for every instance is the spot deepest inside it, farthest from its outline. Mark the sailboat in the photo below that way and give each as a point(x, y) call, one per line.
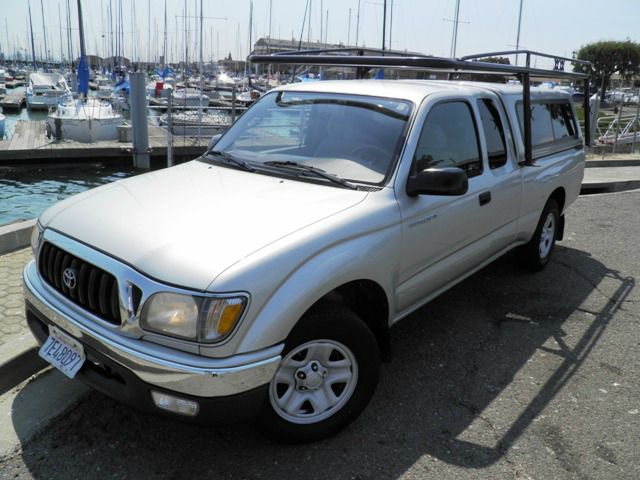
point(46, 90)
point(85, 119)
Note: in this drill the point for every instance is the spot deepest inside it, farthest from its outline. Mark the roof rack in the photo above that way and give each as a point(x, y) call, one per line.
point(364, 59)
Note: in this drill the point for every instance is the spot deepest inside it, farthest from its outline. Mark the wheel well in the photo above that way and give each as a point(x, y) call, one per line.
point(368, 300)
point(559, 196)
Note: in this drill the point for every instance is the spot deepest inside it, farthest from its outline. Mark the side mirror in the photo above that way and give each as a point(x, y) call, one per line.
point(438, 181)
point(214, 140)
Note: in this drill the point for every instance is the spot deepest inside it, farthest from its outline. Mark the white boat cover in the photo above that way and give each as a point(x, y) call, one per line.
point(48, 80)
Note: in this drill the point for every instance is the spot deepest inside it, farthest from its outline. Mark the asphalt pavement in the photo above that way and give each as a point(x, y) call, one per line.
point(508, 375)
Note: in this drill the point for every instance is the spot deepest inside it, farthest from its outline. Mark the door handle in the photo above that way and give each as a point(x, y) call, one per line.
point(484, 197)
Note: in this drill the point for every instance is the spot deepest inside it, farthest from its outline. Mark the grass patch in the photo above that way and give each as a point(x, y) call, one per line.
point(580, 113)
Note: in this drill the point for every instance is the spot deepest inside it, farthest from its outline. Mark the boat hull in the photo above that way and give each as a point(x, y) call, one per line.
point(86, 130)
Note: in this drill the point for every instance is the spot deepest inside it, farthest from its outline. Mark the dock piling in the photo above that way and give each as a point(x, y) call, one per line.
point(233, 103)
point(139, 121)
point(58, 133)
point(170, 130)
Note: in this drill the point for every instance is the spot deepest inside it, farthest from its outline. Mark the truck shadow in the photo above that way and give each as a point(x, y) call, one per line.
point(471, 372)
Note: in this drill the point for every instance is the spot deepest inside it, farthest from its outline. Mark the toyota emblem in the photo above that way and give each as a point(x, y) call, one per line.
point(69, 278)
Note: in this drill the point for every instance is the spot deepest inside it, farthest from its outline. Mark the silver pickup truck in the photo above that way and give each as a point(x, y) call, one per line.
point(261, 279)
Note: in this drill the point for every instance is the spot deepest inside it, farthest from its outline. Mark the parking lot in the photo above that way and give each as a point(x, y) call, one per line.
point(507, 375)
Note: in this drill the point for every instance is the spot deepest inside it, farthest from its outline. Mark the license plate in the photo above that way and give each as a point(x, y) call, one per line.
point(63, 352)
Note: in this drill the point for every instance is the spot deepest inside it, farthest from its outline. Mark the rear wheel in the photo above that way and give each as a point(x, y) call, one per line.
point(536, 254)
point(326, 377)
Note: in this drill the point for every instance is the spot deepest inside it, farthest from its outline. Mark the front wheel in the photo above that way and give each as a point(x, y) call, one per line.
point(536, 254)
point(327, 375)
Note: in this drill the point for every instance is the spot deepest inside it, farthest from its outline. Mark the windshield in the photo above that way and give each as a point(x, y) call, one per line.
point(353, 137)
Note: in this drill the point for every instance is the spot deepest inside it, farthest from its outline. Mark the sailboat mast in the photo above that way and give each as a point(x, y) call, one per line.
point(247, 69)
point(33, 45)
point(6, 29)
point(149, 27)
point(83, 68)
point(391, 27)
point(116, 38)
point(358, 23)
point(122, 52)
point(83, 53)
point(186, 39)
point(326, 27)
point(384, 24)
point(44, 31)
point(164, 43)
point(518, 36)
point(134, 47)
point(454, 39)
point(201, 75)
point(321, 22)
point(60, 32)
point(309, 28)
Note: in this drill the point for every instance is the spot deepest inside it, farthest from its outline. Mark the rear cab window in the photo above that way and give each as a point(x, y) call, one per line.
point(553, 126)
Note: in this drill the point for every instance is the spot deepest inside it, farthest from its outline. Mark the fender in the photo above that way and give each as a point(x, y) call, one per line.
point(369, 257)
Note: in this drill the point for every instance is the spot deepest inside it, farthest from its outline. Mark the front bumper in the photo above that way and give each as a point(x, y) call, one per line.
point(142, 365)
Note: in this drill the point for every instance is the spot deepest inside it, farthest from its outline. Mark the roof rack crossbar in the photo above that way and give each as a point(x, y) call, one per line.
point(322, 58)
point(345, 50)
point(558, 60)
point(340, 57)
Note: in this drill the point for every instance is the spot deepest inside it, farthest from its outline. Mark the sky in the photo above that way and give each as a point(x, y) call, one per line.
point(558, 27)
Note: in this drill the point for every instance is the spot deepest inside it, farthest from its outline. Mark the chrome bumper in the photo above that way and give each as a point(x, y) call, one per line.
point(154, 364)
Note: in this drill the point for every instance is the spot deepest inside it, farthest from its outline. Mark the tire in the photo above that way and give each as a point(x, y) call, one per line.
point(328, 373)
point(535, 255)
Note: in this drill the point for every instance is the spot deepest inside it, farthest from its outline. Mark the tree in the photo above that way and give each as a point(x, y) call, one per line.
point(609, 57)
point(486, 77)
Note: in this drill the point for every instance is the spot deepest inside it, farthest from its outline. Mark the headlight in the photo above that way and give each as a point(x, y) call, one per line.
point(171, 313)
point(202, 319)
point(36, 238)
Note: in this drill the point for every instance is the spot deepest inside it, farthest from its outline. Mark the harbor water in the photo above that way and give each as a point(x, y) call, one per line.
point(26, 192)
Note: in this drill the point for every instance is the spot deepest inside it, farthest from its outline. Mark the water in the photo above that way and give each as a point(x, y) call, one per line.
point(26, 192)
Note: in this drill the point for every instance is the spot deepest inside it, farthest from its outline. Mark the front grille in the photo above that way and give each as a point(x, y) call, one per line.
point(93, 289)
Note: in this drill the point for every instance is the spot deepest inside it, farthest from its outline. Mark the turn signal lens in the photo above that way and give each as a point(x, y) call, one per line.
point(222, 315)
point(36, 238)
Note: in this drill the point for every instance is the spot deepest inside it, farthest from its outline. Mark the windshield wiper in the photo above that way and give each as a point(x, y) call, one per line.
point(231, 159)
point(314, 170)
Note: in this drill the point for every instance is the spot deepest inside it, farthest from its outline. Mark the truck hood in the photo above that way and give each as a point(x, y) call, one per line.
point(187, 224)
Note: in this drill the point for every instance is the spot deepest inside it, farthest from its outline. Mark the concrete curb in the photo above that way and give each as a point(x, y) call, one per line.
point(19, 356)
point(15, 236)
point(18, 361)
point(609, 187)
point(606, 163)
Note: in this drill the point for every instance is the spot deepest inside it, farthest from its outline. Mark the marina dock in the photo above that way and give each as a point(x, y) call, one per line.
point(14, 100)
point(30, 146)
